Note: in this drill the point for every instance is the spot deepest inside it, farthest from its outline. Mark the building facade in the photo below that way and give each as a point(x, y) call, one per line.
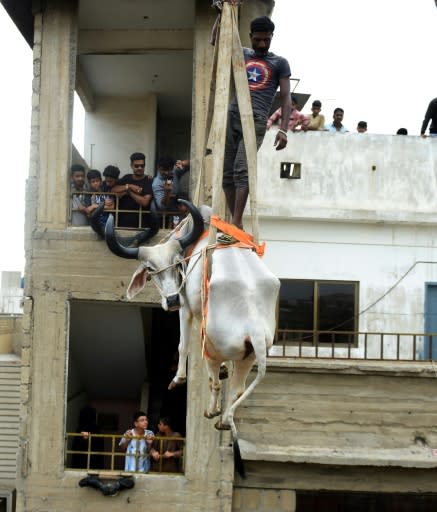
point(346, 411)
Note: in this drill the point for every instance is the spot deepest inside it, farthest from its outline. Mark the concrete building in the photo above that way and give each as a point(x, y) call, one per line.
point(345, 416)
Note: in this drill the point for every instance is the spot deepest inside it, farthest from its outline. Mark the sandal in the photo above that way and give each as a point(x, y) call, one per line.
point(225, 239)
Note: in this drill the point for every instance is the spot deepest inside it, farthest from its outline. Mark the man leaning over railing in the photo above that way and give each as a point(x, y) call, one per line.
point(135, 194)
point(166, 184)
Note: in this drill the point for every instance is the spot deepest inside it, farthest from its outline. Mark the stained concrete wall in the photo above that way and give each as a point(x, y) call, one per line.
point(118, 127)
point(350, 178)
point(11, 334)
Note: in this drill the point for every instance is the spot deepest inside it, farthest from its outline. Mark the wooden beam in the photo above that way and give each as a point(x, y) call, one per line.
point(220, 115)
point(247, 122)
point(104, 42)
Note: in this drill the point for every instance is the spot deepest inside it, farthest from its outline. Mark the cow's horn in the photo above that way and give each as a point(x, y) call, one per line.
point(114, 245)
point(198, 225)
point(141, 237)
point(95, 220)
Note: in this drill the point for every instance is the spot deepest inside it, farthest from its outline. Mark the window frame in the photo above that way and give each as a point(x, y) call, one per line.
point(314, 333)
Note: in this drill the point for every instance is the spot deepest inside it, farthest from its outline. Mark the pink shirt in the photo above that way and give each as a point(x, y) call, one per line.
point(296, 119)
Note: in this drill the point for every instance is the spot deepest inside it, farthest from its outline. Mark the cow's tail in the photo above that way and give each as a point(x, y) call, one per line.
point(261, 359)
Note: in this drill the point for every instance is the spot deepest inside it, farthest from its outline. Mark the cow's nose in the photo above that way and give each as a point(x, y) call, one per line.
point(173, 301)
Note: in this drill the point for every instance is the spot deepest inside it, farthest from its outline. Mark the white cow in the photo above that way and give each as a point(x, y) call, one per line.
point(240, 324)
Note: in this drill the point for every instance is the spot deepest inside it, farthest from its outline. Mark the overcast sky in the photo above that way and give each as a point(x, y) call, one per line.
point(374, 58)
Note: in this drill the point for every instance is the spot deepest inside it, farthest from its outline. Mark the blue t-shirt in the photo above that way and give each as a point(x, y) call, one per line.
point(263, 74)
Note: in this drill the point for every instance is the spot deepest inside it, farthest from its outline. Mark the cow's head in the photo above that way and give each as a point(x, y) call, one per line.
point(162, 262)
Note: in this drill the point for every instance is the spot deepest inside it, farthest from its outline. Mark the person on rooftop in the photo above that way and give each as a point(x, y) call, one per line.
point(296, 118)
point(362, 127)
point(316, 119)
point(337, 126)
point(430, 115)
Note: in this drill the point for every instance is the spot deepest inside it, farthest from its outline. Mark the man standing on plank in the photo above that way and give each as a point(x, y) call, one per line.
point(265, 72)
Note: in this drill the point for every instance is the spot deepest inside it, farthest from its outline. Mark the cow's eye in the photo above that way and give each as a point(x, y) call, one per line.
point(149, 268)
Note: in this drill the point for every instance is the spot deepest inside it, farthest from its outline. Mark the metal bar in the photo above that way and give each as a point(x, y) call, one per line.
point(398, 339)
point(414, 347)
point(332, 345)
point(365, 346)
point(112, 452)
point(382, 345)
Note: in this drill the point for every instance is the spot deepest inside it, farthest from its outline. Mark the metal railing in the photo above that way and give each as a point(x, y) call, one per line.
point(354, 345)
point(101, 452)
point(167, 218)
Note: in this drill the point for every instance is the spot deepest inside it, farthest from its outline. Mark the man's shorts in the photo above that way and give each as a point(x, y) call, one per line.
point(235, 162)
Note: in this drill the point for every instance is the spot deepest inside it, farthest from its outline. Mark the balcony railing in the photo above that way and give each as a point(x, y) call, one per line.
point(354, 345)
point(167, 218)
point(101, 452)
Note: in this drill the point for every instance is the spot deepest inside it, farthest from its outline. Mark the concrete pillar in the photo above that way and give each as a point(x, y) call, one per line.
point(202, 62)
point(209, 456)
point(57, 79)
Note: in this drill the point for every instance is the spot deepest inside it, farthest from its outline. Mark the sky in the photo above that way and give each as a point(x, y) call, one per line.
point(373, 58)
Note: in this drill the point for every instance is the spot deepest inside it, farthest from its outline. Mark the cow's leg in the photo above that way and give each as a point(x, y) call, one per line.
point(214, 387)
point(237, 386)
point(185, 320)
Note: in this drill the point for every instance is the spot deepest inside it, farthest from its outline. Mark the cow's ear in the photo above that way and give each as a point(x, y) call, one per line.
point(137, 282)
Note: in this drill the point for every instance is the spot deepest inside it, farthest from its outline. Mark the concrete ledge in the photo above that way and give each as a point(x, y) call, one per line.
point(411, 457)
point(353, 367)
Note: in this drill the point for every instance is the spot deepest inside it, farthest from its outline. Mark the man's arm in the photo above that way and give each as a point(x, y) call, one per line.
point(273, 118)
point(305, 121)
point(143, 201)
point(158, 193)
point(125, 188)
point(284, 92)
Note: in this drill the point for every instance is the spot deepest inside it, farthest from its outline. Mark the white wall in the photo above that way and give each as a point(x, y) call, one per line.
point(119, 127)
point(343, 221)
point(338, 181)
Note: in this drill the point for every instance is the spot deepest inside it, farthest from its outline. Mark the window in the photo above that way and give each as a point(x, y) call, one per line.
point(118, 364)
point(318, 311)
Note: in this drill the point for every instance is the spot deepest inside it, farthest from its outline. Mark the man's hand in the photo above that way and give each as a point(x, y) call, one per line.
point(280, 141)
point(109, 204)
point(134, 188)
point(168, 455)
point(181, 164)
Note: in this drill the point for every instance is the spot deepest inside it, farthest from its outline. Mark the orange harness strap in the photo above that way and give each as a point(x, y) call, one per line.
point(238, 234)
point(245, 240)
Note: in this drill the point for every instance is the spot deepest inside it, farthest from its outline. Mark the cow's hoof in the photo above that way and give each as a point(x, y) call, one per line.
point(177, 382)
point(210, 415)
point(219, 425)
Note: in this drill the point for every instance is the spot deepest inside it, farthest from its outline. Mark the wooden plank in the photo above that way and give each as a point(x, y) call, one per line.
point(247, 122)
point(220, 118)
point(208, 124)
